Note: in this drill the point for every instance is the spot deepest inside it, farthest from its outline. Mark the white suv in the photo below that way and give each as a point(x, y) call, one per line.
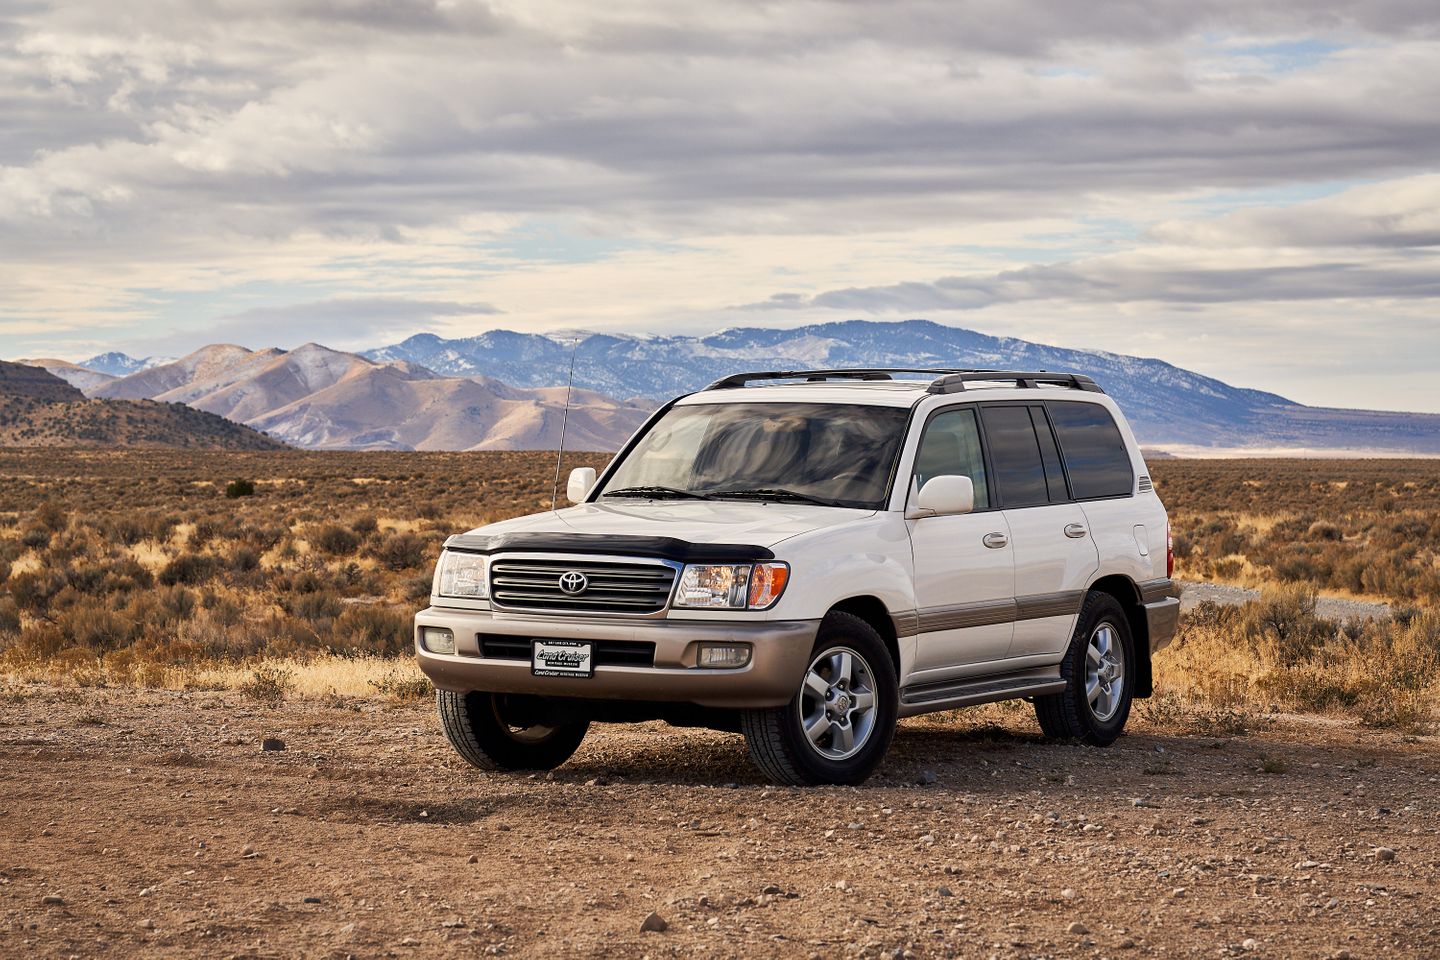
point(806, 557)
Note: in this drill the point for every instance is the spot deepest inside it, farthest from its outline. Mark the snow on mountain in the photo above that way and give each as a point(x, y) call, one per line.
point(117, 364)
point(1165, 404)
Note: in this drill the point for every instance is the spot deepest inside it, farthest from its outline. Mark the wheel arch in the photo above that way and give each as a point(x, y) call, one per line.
point(873, 611)
point(1127, 594)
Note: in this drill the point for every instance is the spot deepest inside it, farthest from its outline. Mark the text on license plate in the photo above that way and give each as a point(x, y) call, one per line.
point(562, 658)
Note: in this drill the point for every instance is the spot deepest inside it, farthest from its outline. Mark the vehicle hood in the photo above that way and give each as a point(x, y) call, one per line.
point(760, 524)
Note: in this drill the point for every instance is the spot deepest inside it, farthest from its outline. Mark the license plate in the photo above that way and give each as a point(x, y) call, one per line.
point(562, 658)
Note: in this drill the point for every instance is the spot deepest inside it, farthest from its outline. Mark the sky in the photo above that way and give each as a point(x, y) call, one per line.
point(1247, 189)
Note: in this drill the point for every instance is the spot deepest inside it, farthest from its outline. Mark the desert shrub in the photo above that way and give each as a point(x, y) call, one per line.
point(269, 685)
point(364, 526)
point(239, 488)
point(5, 569)
point(52, 516)
point(416, 588)
point(9, 615)
point(116, 576)
point(314, 606)
point(244, 560)
point(335, 540)
point(404, 685)
point(34, 589)
point(374, 628)
point(401, 551)
point(96, 627)
point(36, 537)
point(189, 568)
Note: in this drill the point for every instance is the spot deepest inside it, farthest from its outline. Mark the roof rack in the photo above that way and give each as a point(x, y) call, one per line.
point(947, 380)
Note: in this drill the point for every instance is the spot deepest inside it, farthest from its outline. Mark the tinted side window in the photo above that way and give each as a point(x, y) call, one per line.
point(951, 445)
point(1015, 455)
point(1054, 476)
point(1094, 452)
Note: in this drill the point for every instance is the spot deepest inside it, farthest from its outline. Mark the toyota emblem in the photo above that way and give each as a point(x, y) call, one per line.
point(573, 582)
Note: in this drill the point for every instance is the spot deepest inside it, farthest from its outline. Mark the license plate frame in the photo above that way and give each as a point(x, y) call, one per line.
point(549, 658)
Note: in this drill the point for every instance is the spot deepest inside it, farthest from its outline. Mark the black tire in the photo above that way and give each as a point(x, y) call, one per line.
point(492, 731)
point(1070, 715)
point(776, 736)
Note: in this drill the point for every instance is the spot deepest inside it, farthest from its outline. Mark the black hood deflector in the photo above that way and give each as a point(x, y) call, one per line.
point(663, 548)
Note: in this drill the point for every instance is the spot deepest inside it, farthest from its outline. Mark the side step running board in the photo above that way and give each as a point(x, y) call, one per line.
point(968, 692)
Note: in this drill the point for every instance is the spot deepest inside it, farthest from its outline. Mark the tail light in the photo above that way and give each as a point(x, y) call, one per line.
point(1169, 552)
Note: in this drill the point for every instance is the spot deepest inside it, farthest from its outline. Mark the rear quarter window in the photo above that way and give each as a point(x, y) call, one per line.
point(1093, 450)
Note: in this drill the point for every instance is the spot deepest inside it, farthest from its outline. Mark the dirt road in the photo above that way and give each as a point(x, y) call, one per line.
point(153, 822)
point(1194, 592)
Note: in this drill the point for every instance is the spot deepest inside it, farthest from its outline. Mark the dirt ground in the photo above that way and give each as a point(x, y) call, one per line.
point(152, 823)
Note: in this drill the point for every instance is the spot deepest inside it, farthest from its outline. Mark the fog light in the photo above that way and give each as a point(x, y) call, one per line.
point(437, 639)
point(724, 655)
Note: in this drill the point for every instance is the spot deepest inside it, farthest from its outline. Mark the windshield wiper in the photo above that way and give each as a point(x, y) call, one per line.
point(772, 493)
point(657, 493)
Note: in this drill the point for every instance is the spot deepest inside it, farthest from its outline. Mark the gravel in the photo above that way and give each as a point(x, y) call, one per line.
point(1289, 860)
point(1330, 608)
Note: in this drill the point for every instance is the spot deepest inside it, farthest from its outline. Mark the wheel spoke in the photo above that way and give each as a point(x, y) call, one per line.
point(817, 728)
point(863, 700)
point(1092, 689)
point(842, 736)
point(844, 664)
point(1093, 655)
point(817, 685)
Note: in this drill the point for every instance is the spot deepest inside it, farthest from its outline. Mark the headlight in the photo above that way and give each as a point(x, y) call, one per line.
point(732, 586)
point(461, 575)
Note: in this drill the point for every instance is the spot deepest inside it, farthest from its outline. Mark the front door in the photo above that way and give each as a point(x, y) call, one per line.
point(964, 565)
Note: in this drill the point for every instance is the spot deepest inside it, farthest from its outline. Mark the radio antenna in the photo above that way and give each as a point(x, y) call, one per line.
point(564, 422)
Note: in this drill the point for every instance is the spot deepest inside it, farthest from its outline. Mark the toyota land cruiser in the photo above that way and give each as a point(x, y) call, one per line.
point(805, 557)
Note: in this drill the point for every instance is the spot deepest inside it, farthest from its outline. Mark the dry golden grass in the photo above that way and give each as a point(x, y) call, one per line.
point(1350, 528)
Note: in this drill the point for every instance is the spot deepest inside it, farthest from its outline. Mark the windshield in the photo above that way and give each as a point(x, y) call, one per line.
point(833, 454)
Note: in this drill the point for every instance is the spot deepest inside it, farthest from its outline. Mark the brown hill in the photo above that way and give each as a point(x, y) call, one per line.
point(77, 376)
point(38, 409)
point(321, 398)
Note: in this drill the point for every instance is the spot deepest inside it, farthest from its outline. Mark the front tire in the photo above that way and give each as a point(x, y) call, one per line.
point(840, 722)
point(494, 731)
point(1099, 675)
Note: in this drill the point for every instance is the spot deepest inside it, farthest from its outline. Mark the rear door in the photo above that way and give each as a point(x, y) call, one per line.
point(964, 565)
point(1102, 478)
point(1055, 556)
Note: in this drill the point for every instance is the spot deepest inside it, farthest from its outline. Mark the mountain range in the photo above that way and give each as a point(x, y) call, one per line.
point(320, 398)
point(39, 409)
point(504, 390)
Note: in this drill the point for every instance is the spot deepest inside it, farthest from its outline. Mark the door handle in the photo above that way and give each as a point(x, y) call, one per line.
point(995, 540)
point(1074, 530)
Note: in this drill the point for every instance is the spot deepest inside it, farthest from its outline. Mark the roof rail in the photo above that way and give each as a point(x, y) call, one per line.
point(816, 376)
point(948, 380)
point(955, 382)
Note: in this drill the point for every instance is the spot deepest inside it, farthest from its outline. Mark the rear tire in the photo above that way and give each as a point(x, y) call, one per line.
point(494, 731)
point(1099, 674)
point(840, 722)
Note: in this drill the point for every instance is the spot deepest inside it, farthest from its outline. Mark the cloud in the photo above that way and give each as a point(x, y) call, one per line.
point(910, 157)
point(1375, 241)
point(341, 322)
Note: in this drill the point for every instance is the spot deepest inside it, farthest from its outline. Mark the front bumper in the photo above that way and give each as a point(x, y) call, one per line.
point(780, 653)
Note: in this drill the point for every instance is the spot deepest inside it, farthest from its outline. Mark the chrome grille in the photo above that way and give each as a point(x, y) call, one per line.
point(611, 586)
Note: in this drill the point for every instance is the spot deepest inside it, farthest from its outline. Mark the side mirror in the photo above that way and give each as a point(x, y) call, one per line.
point(944, 495)
point(577, 488)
